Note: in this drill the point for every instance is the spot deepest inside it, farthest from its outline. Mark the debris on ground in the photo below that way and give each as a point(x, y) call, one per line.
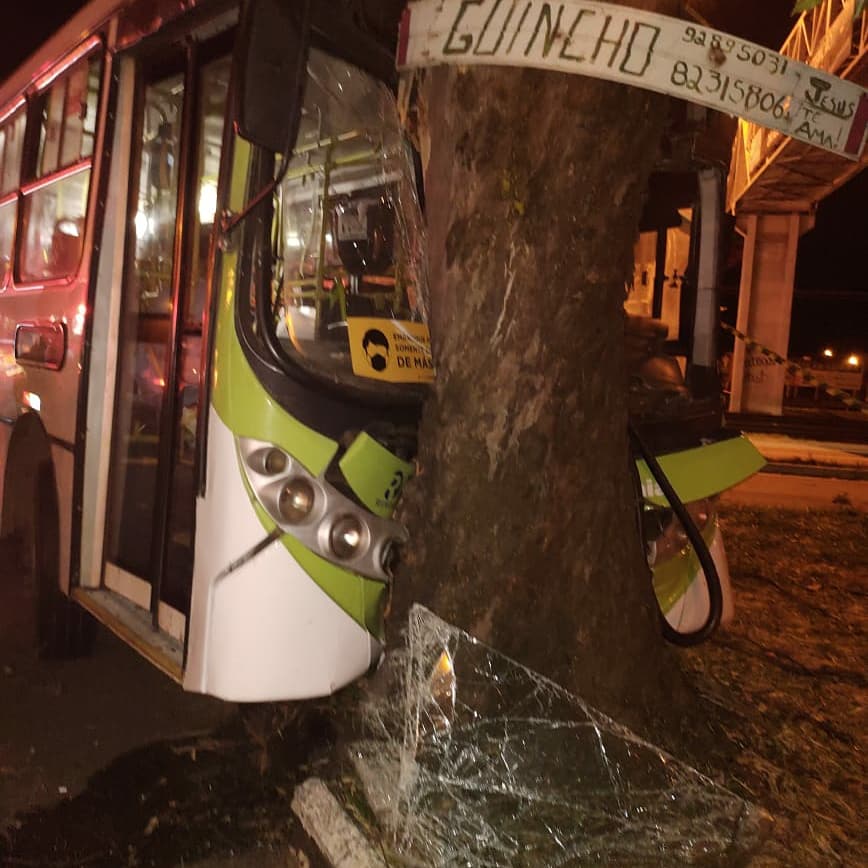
point(787, 680)
point(477, 760)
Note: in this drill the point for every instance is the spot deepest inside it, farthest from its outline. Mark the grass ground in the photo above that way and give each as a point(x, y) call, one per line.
point(789, 675)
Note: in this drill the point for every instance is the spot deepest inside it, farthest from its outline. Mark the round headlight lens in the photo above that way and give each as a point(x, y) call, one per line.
point(274, 461)
point(296, 500)
point(346, 537)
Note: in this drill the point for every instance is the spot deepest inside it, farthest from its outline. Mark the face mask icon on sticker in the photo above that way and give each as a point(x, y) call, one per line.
point(376, 347)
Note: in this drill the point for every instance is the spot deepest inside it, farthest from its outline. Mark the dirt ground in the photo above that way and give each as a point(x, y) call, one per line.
point(104, 762)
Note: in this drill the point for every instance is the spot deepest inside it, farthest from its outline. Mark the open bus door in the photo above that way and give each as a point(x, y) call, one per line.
point(177, 99)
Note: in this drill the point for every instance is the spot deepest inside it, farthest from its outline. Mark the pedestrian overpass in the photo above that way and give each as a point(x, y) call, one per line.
point(775, 183)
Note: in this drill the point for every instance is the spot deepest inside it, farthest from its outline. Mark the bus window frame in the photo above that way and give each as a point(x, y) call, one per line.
point(255, 334)
point(14, 194)
point(30, 181)
point(7, 280)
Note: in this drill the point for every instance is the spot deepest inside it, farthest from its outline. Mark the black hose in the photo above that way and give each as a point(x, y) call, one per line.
point(709, 570)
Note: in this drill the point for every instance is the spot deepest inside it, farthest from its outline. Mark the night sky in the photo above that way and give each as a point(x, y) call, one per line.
point(31, 23)
point(831, 303)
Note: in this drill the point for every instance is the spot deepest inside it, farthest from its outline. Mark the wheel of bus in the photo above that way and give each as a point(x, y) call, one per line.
point(63, 629)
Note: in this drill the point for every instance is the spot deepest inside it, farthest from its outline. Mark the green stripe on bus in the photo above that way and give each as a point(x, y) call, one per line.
point(703, 471)
point(239, 398)
point(242, 401)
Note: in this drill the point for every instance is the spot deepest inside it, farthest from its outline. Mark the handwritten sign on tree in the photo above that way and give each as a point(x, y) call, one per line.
point(646, 50)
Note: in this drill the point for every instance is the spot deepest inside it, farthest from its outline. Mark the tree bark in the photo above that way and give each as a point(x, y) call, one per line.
point(523, 517)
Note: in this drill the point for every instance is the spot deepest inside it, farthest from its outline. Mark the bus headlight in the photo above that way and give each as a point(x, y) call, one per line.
point(329, 522)
point(268, 461)
point(347, 537)
point(296, 500)
point(274, 462)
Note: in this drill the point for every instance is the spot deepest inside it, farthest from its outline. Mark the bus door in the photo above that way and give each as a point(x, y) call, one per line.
point(178, 133)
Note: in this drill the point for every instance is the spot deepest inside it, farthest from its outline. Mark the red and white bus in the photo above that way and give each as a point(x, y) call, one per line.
point(210, 248)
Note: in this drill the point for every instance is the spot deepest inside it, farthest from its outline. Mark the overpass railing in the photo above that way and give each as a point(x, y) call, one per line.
point(830, 37)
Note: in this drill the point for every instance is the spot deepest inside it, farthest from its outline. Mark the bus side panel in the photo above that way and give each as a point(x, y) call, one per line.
point(263, 630)
point(52, 394)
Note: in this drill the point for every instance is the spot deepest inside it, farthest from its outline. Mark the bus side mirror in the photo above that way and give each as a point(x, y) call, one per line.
point(272, 63)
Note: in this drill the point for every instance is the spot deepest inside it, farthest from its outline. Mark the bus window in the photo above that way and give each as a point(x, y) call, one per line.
point(154, 221)
point(11, 144)
point(55, 203)
point(143, 367)
point(346, 234)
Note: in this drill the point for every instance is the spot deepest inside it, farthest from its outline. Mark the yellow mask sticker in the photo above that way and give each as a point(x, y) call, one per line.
point(395, 351)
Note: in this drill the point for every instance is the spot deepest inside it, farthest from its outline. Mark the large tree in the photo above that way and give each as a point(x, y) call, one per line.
point(523, 518)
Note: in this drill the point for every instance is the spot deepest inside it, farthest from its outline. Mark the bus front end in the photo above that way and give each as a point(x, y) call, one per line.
point(320, 357)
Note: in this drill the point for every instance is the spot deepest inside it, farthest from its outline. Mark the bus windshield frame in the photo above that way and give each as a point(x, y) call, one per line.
point(358, 180)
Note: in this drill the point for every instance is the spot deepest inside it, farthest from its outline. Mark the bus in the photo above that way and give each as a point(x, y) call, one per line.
point(213, 338)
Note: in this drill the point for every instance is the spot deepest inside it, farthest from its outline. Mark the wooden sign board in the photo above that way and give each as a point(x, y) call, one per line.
point(646, 50)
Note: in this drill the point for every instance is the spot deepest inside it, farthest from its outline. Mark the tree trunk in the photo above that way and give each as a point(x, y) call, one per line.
point(523, 518)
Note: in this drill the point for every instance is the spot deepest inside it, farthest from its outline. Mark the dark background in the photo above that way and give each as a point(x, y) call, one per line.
point(830, 307)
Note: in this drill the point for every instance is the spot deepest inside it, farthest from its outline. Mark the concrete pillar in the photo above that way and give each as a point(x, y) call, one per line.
point(765, 301)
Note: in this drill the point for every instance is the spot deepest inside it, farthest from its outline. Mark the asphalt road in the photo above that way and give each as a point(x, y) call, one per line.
point(104, 761)
point(62, 721)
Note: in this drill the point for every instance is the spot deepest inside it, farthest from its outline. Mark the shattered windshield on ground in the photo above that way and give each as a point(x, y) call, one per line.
point(480, 761)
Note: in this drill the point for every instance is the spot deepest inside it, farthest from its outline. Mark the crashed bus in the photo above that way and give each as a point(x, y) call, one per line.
point(215, 351)
point(196, 260)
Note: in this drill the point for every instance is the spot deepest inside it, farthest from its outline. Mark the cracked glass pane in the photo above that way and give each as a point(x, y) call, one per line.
point(476, 760)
